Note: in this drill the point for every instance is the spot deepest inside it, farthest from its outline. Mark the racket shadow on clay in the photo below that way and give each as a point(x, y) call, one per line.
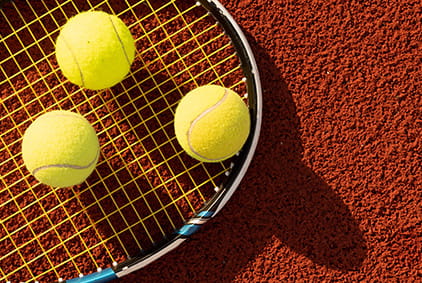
point(281, 205)
point(294, 204)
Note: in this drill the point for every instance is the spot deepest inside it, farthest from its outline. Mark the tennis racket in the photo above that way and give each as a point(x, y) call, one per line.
point(146, 195)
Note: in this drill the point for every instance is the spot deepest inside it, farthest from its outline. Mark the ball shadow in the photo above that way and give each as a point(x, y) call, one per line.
point(280, 199)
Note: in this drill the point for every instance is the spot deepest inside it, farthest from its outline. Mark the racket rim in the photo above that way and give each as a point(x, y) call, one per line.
point(214, 205)
point(223, 194)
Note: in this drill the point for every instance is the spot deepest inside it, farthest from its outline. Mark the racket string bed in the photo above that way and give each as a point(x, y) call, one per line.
point(146, 196)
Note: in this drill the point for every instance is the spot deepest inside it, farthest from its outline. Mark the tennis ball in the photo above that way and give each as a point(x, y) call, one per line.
point(95, 50)
point(211, 123)
point(60, 148)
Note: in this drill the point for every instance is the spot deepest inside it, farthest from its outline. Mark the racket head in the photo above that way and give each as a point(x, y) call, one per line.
point(146, 155)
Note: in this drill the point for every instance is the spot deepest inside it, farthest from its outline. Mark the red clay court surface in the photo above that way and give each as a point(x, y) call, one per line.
point(334, 191)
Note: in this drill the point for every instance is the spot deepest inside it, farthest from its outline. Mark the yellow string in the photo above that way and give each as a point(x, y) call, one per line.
point(38, 66)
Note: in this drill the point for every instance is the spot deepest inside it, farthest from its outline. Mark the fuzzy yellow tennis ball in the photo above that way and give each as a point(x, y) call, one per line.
point(60, 148)
point(212, 123)
point(95, 50)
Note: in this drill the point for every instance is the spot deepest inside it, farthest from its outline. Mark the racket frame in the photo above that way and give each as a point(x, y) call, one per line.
point(237, 172)
point(227, 189)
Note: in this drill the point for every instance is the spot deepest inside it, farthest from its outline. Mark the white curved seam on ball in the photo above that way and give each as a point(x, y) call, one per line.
point(192, 125)
point(120, 41)
point(71, 166)
point(76, 61)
